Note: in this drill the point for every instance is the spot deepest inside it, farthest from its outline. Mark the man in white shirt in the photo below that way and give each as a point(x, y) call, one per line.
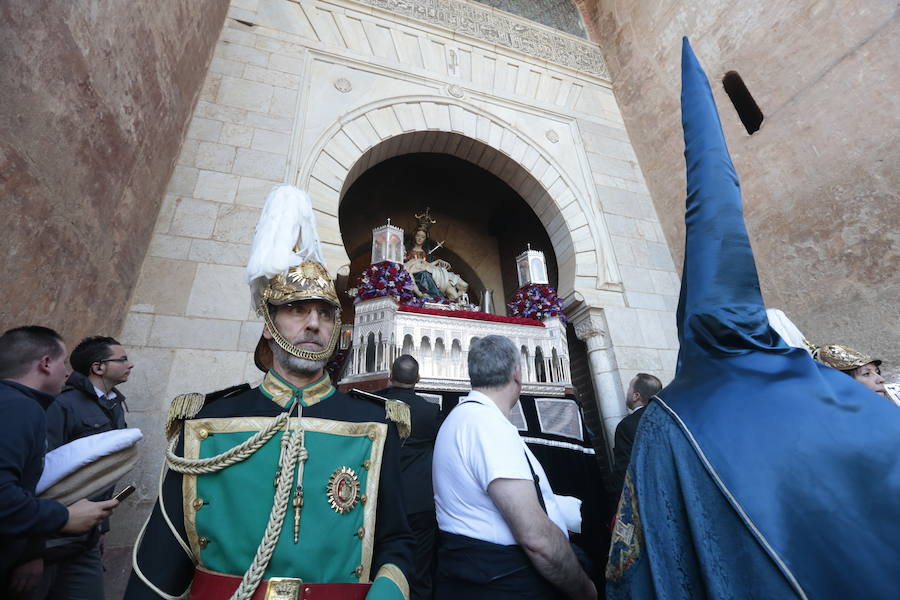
point(502, 534)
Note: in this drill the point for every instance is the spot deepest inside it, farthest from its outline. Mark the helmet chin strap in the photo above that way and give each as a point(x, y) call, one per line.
point(290, 348)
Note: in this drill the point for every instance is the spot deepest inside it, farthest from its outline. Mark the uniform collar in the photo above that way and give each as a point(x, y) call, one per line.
point(283, 393)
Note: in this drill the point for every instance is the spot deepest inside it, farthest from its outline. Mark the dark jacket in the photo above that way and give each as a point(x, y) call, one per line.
point(23, 442)
point(624, 441)
point(77, 412)
point(417, 450)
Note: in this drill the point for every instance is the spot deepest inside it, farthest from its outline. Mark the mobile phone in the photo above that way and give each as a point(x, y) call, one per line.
point(124, 493)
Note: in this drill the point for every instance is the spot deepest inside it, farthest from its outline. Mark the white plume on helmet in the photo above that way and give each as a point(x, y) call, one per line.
point(287, 222)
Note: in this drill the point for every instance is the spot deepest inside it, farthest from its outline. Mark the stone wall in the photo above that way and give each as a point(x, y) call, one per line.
point(820, 177)
point(93, 107)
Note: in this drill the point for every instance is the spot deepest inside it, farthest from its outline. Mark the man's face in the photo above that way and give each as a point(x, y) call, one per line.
point(56, 372)
point(632, 400)
point(116, 367)
point(870, 376)
point(307, 324)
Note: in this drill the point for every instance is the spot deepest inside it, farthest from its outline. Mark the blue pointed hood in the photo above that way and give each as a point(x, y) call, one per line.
point(805, 454)
point(721, 310)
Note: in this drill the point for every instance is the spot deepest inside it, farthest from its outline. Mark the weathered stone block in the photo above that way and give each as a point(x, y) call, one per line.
point(253, 191)
point(187, 332)
point(214, 156)
point(259, 164)
point(163, 286)
point(193, 218)
point(236, 224)
point(183, 181)
point(205, 371)
point(135, 329)
point(271, 141)
point(220, 187)
point(223, 253)
point(217, 293)
point(241, 93)
point(205, 130)
point(236, 135)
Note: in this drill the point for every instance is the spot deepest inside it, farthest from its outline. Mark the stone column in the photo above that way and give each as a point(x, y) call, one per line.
point(591, 328)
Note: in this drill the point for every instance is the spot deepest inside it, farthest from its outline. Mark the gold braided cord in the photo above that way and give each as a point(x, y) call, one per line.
point(239, 453)
point(291, 445)
point(263, 310)
point(293, 452)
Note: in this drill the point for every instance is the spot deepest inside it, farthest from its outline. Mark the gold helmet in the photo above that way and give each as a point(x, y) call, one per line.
point(286, 265)
point(842, 358)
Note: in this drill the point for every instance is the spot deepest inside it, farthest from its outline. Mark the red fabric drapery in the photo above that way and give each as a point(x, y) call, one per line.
point(466, 314)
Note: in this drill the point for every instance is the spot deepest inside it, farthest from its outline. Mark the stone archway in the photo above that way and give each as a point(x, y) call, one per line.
point(378, 131)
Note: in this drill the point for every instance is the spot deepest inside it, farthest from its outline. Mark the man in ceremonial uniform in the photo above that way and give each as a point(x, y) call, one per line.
point(291, 489)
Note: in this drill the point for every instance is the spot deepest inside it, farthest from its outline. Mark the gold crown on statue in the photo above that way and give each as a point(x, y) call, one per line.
point(424, 221)
point(842, 358)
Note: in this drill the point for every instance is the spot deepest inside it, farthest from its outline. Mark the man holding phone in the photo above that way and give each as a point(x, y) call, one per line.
point(89, 404)
point(32, 370)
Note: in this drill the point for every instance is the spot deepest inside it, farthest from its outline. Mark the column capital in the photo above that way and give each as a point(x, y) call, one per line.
point(589, 324)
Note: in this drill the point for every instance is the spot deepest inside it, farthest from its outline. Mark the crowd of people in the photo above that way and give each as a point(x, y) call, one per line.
point(489, 527)
point(293, 489)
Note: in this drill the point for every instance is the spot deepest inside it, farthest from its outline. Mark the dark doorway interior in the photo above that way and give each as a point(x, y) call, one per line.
point(484, 222)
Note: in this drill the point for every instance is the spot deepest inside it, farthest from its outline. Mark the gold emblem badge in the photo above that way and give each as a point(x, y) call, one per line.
point(283, 588)
point(343, 490)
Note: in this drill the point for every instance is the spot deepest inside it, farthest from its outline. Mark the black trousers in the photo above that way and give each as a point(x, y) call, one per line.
point(424, 528)
point(478, 570)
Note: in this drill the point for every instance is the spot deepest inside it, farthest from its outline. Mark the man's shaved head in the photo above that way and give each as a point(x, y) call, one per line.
point(405, 371)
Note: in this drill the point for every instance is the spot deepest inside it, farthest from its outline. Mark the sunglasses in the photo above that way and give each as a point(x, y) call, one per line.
point(123, 359)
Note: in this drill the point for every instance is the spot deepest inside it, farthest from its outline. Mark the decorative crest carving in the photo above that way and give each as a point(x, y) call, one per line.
point(502, 29)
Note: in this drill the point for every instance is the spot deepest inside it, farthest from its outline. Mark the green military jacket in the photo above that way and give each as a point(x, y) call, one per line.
point(350, 526)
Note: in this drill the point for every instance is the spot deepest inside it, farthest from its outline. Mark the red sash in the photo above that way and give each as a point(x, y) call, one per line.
point(217, 586)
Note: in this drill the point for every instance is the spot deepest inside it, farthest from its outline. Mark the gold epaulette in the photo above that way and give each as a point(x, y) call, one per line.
point(398, 412)
point(394, 410)
point(183, 406)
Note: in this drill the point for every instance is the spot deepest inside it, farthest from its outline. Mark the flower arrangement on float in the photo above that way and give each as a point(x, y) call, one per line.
point(536, 301)
point(386, 278)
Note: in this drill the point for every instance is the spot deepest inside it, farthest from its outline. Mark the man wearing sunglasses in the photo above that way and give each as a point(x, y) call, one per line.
point(90, 403)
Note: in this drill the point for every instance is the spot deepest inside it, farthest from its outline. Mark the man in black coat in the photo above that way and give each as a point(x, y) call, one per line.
point(640, 391)
point(415, 465)
point(32, 370)
point(89, 404)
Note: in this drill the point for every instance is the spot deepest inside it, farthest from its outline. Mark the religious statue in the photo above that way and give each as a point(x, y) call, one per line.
point(431, 278)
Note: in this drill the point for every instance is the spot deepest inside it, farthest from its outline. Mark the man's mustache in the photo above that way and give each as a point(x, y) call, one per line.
point(308, 339)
